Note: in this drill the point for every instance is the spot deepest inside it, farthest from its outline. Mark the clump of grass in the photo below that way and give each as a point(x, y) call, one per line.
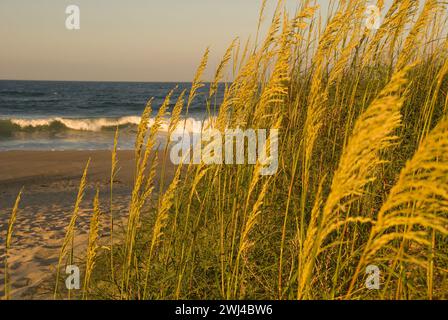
point(113, 173)
point(344, 100)
point(12, 220)
point(92, 246)
point(68, 244)
point(413, 207)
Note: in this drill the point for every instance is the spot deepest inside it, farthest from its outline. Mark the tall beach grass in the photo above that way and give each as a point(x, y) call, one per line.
point(362, 176)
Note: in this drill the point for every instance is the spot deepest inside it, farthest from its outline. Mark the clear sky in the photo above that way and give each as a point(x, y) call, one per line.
point(121, 40)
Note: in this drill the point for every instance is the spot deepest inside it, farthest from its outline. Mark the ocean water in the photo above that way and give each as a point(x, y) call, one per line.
point(62, 115)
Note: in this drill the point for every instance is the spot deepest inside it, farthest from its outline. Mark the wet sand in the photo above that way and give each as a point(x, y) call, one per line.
point(50, 180)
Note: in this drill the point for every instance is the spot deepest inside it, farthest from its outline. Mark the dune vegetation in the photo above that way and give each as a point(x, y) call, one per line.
point(362, 177)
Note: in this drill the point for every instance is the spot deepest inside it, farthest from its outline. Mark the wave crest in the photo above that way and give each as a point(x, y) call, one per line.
point(91, 124)
point(77, 124)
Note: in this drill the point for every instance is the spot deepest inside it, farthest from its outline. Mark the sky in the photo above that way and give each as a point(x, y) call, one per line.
point(121, 40)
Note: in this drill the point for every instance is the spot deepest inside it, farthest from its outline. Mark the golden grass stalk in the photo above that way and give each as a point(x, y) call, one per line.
point(219, 74)
point(197, 81)
point(143, 188)
point(172, 126)
point(161, 221)
point(12, 220)
point(176, 113)
point(93, 243)
point(141, 132)
point(260, 20)
point(70, 233)
point(405, 14)
point(429, 107)
point(113, 172)
point(200, 172)
point(245, 242)
point(243, 57)
point(276, 90)
point(411, 43)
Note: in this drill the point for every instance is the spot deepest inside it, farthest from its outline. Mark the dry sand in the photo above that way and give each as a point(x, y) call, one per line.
point(50, 180)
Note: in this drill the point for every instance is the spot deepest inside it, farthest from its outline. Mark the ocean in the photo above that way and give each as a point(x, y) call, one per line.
point(66, 115)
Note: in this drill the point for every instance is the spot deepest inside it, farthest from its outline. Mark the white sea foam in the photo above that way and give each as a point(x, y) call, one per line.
point(97, 124)
point(78, 124)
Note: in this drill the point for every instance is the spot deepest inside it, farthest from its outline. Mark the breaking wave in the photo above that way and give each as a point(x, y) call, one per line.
point(9, 126)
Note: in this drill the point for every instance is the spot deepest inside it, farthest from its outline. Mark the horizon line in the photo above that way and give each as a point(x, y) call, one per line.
point(116, 81)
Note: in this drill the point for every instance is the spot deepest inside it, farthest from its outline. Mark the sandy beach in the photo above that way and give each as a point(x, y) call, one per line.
point(50, 180)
